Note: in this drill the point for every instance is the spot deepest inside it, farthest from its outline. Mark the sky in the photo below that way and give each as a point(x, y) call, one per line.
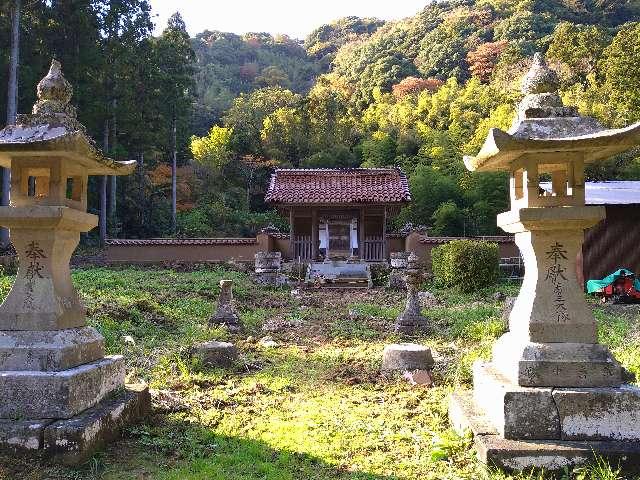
point(296, 18)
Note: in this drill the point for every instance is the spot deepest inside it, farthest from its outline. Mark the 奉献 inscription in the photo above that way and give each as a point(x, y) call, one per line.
point(556, 275)
point(34, 270)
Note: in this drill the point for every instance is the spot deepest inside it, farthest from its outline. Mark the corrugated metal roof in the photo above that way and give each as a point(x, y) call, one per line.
point(609, 193)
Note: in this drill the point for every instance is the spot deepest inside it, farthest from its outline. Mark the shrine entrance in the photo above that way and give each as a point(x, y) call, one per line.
point(338, 214)
point(338, 234)
point(339, 239)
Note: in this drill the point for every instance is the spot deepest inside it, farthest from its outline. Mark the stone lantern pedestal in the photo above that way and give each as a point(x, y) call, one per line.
point(59, 394)
point(551, 397)
point(226, 313)
point(411, 319)
point(397, 275)
point(268, 267)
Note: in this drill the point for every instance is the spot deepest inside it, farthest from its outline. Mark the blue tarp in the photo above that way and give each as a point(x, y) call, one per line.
point(597, 285)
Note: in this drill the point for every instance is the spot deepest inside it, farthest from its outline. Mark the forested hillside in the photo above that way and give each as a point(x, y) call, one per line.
point(423, 92)
point(418, 93)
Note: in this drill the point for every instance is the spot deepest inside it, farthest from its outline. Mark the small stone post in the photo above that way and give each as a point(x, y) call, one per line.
point(226, 313)
point(549, 378)
point(411, 319)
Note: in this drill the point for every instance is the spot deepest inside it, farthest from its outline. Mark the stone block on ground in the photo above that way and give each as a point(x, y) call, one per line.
point(516, 412)
point(599, 413)
point(217, 354)
point(267, 342)
point(419, 378)
point(428, 299)
point(32, 394)
point(74, 440)
point(406, 357)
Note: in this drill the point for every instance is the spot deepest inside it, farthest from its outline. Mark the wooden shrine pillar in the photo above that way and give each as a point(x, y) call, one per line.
point(291, 234)
point(384, 234)
point(315, 236)
point(361, 234)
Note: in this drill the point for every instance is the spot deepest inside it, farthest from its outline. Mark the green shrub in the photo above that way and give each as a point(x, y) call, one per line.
point(466, 265)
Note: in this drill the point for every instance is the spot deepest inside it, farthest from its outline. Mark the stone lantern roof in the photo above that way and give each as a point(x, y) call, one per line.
point(52, 129)
point(545, 125)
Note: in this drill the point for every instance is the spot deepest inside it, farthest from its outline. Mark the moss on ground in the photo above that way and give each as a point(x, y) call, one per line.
point(316, 407)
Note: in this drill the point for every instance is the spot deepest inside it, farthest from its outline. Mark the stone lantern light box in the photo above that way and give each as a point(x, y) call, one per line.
point(58, 391)
point(550, 382)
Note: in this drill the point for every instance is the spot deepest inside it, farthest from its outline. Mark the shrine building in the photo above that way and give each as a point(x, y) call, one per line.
point(339, 214)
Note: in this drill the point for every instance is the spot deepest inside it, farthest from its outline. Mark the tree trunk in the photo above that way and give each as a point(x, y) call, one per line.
point(141, 206)
point(12, 106)
point(113, 190)
point(174, 175)
point(12, 91)
point(103, 188)
point(103, 209)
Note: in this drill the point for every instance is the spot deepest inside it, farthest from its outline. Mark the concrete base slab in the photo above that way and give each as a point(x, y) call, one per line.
point(519, 455)
point(584, 414)
point(74, 440)
point(33, 394)
point(464, 416)
point(553, 455)
point(50, 350)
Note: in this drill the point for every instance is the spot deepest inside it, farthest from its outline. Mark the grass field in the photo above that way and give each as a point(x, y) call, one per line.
point(314, 407)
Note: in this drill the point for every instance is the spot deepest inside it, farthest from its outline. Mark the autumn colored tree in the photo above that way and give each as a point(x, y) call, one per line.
point(415, 85)
point(483, 60)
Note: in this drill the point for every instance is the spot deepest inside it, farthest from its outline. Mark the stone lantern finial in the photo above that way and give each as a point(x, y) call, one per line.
point(540, 86)
point(54, 93)
point(540, 78)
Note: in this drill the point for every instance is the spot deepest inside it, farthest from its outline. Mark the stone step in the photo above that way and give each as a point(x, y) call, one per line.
point(554, 455)
point(49, 351)
point(74, 440)
point(34, 394)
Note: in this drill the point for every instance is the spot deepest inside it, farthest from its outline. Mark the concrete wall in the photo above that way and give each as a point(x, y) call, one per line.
point(217, 250)
point(214, 250)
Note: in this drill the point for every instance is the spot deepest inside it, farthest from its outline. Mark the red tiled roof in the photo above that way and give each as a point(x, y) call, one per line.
point(338, 186)
point(182, 241)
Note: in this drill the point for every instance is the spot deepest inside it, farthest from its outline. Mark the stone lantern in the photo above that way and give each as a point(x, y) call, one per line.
point(411, 319)
point(54, 376)
point(549, 378)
